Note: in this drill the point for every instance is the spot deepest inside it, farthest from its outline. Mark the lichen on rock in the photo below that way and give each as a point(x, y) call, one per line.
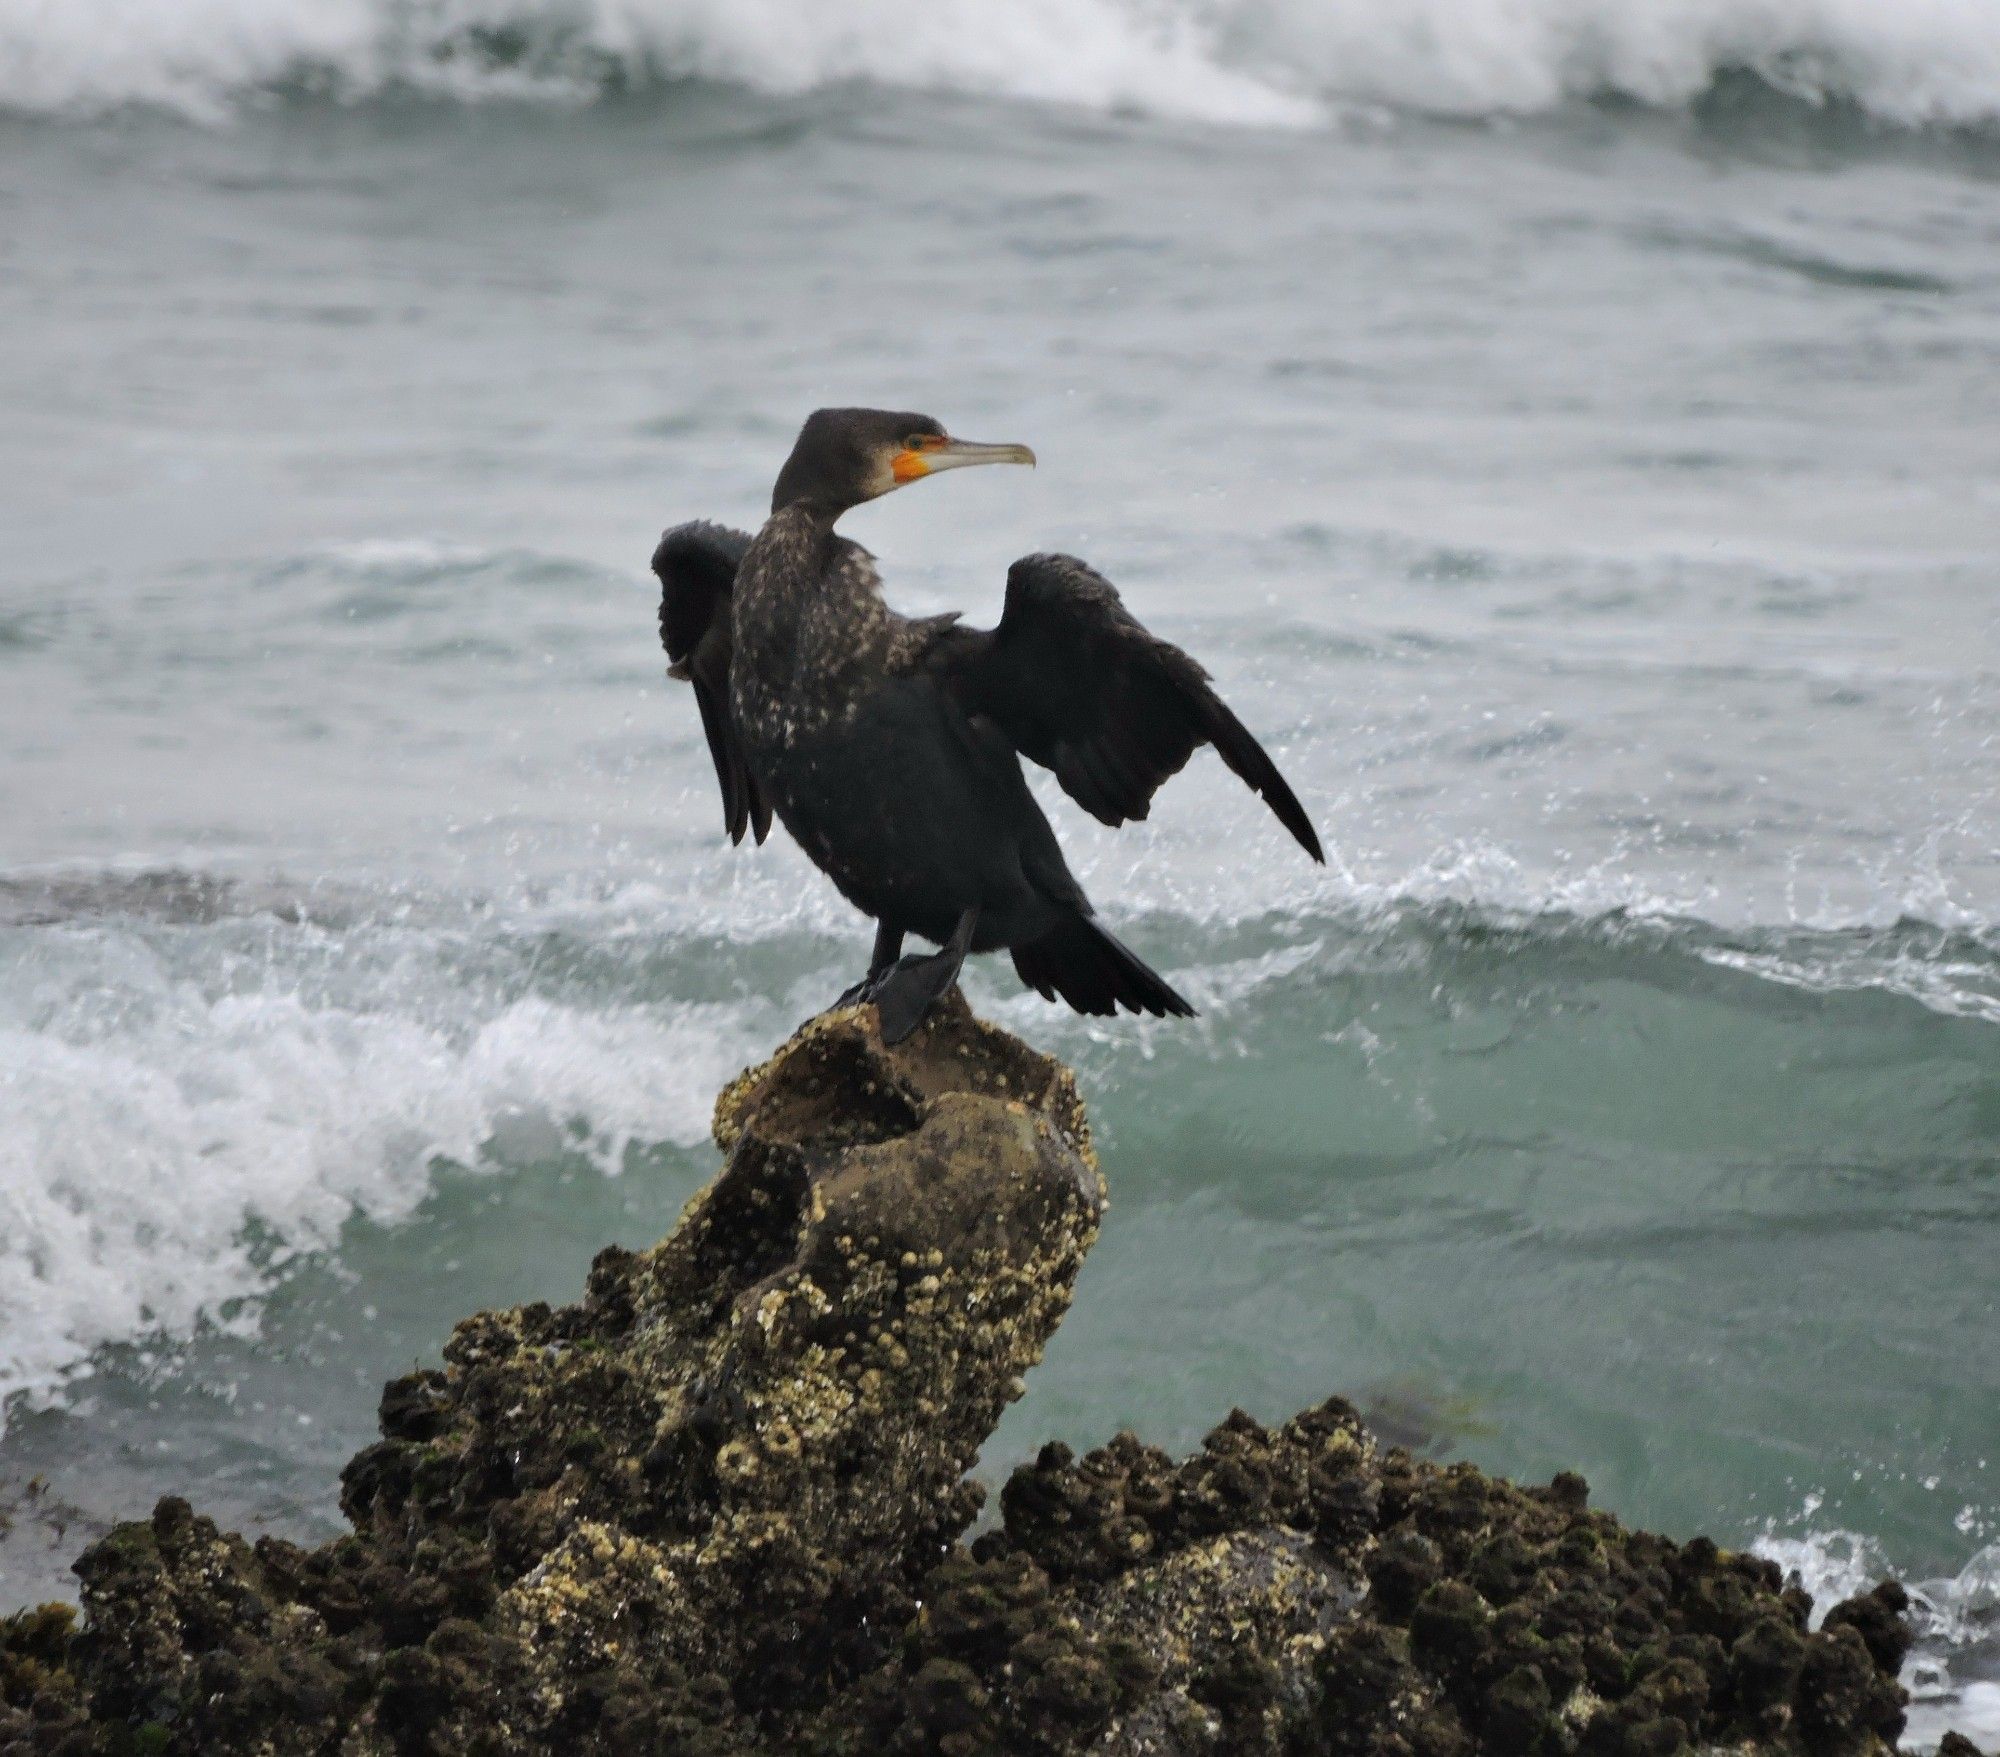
point(719, 1507)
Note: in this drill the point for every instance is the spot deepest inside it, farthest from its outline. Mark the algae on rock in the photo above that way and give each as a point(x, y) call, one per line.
point(717, 1507)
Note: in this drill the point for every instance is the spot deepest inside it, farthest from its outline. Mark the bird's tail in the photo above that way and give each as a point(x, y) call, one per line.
point(1088, 966)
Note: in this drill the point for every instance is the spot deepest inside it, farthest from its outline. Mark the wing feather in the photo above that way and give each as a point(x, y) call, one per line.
point(696, 566)
point(1080, 686)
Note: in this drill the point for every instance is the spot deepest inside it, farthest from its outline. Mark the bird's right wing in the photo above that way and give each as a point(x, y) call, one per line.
point(696, 564)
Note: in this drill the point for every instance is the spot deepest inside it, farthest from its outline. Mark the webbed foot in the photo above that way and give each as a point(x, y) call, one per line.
point(888, 944)
point(854, 995)
point(908, 988)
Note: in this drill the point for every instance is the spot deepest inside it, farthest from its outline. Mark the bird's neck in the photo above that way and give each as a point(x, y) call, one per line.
point(808, 623)
point(796, 538)
point(785, 575)
point(806, 506)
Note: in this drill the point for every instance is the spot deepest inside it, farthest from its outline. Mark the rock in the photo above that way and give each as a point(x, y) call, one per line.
point(718, 1507)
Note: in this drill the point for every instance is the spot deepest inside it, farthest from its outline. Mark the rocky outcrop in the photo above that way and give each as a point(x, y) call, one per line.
point(719, 1507)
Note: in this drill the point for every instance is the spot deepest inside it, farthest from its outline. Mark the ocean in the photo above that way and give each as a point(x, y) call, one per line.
point(1569, 430)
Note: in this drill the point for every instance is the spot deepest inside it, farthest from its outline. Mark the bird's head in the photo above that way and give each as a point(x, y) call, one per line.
point(846, 456)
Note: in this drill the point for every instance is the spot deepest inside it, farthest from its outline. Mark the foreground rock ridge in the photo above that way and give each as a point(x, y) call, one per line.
point(719, 1507)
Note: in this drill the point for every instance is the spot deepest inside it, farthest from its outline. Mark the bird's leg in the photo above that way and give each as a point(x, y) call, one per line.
point(888, 947)
point(910, 987)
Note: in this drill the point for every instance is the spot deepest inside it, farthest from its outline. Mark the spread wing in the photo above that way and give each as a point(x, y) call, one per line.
point(1078, 685)
point(696, 564)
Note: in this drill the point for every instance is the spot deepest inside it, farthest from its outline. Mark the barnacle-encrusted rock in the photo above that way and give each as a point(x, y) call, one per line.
point(659, 1518)
point(1297, 1591)
point(717, 1508)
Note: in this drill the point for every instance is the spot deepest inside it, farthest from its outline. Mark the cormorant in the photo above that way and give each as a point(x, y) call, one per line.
point(890, 746)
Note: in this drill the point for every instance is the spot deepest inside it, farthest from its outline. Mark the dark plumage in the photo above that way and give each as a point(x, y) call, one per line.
point(890, 747)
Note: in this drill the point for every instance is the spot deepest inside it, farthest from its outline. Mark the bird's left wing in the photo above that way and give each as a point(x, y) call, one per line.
point(696, 565)
point(1080, 686)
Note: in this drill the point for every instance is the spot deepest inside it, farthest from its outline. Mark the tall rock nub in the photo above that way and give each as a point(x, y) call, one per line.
point(708, 1491)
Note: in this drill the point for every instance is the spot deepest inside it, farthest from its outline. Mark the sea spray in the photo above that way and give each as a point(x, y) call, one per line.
point(1268, 63)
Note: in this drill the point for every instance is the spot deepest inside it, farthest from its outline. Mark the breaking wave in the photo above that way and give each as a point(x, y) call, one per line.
point(202, 1081)
point(194, 1100)
point(1918, 63)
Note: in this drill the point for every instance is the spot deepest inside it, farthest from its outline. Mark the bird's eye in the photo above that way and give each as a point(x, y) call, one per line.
point(921, 441)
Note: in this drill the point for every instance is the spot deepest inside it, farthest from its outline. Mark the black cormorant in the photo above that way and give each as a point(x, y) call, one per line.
point(890, 746)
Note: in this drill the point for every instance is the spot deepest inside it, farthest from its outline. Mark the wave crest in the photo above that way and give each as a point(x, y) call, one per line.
point(202, 1082)
point(196, 1101)
point(1262, 62)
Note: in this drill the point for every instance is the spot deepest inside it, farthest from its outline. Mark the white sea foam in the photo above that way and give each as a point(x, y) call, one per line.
point(174, 1130)
point(1268, 62)
point(1956, 1619)
point(1918, 61)
point(198, 55)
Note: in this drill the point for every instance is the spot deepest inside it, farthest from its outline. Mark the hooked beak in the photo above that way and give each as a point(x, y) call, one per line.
point(954, 454)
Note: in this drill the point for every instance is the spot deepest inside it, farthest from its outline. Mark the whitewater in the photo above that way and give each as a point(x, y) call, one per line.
point(1259, 62)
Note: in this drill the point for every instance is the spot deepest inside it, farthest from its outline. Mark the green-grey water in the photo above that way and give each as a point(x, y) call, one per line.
point(1595, 512)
